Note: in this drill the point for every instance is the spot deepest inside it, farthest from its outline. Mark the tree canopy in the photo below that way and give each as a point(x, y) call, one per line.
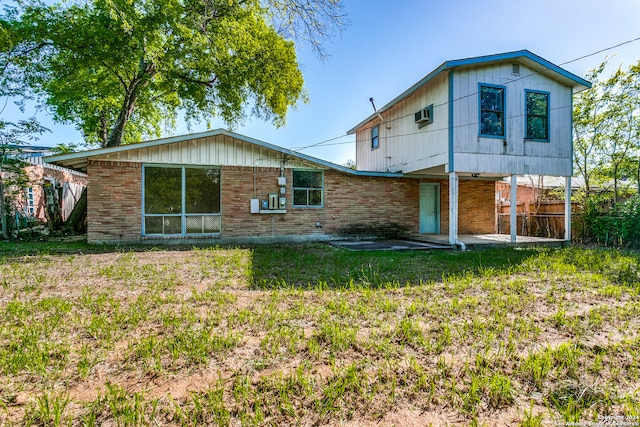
point(606, 124)
point(122, 70)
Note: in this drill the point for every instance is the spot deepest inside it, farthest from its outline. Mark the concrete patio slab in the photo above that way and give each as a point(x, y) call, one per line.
point(386, 245)
point(495, 240)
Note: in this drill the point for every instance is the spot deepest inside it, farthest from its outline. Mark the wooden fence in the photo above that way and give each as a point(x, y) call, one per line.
point(543, 220)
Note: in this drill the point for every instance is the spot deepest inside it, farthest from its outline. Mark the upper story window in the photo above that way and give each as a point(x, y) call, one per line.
point(492, 111)
point(375, 137)
point(307, 188)
point(537, 117)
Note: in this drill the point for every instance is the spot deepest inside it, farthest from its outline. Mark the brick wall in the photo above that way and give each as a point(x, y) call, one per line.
point(348, 200)
point(476, 207)
point(114, 203)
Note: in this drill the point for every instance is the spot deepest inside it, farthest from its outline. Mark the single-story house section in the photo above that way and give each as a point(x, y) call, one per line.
point(224, 187)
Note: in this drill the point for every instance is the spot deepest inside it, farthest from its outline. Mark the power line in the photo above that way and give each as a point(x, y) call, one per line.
point(446, 103)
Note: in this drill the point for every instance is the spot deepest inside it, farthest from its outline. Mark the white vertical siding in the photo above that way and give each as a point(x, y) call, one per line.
point(212, 151)
point(512, 154)
point(403, 145)
point(407, 148)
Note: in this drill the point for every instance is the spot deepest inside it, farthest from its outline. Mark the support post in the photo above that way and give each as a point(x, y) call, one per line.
point(453, 208)
point(513, 208)
point(567, 209)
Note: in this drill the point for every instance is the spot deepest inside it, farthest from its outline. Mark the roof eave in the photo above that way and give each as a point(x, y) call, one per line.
point(78, 161)
point(578, 83)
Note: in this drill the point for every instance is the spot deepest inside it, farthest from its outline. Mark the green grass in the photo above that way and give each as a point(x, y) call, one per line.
point(315, 335)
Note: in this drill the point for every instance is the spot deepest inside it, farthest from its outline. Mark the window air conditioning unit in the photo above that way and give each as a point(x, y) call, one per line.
point(424, 116)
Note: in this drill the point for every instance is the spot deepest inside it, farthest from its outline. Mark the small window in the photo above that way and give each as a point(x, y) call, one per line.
point(492, 111)
point(30, 205)
point(537, 121)
point(515, 69)
point(375, 137)
point(307, 188)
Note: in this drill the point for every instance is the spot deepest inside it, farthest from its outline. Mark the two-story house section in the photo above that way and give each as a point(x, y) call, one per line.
point(470, 122)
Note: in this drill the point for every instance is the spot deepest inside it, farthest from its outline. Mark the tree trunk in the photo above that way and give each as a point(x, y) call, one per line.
point(77, 221)
point(147, 71)
point(52, 211)
point(5, 226)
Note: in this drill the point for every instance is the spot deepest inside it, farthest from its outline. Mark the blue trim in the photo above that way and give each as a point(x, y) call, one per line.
point(571, 130)
point(451, 122)
point(183, 200)
point(84, 155)
point(293, 189)
point(520, 54)
point(504, 111)
point(526, 115)
point(375, 139)
point(438, 205)
point(448, 65)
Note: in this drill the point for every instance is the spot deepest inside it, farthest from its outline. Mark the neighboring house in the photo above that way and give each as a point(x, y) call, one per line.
point(467, 124)
point(67, 183)
point(427, 163)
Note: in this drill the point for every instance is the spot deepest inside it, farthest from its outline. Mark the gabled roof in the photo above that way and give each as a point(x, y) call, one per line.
point(78, 161)
point(535, 62)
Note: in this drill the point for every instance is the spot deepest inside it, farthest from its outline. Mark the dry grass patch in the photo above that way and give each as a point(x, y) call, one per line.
point(312, 335)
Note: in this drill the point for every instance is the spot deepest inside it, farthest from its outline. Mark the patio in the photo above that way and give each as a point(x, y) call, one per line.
point(479, 241)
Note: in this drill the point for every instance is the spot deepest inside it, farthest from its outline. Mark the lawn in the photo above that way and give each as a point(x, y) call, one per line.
point(312, 335)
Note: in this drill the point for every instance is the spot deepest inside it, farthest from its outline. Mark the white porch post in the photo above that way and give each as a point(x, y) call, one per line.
point(453, 208)
point(567, 209)
point(513, 208)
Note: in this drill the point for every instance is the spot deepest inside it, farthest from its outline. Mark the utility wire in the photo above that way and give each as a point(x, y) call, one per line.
point(325, 142)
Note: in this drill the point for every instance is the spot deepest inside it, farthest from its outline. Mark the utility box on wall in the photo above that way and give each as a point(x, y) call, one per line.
point(255, 206)
point(273, 201)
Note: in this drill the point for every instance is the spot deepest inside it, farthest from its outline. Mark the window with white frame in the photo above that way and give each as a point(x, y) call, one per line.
point(181, 200)
point(30, 209)
point(537, 121)
point(308, 188)
point(492, 111)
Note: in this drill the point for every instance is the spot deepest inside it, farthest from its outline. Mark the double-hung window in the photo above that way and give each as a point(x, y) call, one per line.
point(492, 111)
point(537, 117)
point(180, 200)
point(308, 188)
point(375, 137)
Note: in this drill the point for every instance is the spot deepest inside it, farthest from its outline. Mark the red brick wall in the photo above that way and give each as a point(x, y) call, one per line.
point(476, 207)
point(114, 203)
point(347, 200)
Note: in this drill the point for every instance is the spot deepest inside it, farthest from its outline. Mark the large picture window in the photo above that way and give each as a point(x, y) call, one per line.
point(307, 188)
point(181, 200)
point(537, 115)
point(491, 111)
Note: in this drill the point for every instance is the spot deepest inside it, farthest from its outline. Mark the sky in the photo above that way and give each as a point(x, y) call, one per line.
point(388, 46)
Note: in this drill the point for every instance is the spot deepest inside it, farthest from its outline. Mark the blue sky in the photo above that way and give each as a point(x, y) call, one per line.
point(390, 45)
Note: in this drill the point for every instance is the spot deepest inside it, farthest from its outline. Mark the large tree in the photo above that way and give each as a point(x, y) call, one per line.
point(606, 124)
point(122, 70)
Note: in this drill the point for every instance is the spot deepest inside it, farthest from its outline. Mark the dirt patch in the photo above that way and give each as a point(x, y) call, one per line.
point(178, 337)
